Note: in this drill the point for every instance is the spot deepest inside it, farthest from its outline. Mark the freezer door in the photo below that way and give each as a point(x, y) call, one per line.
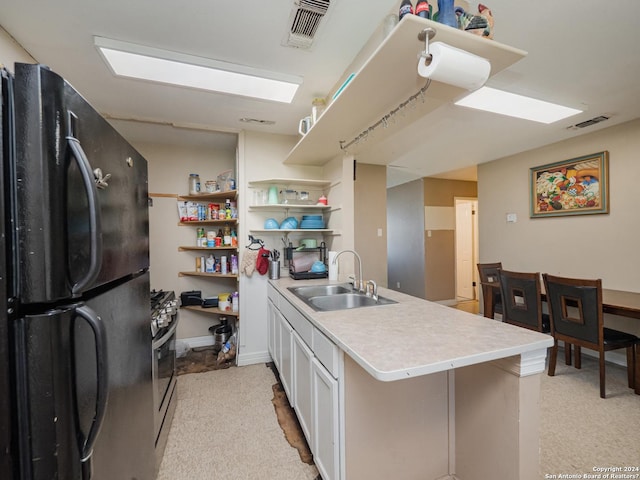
point(81, 193)
point(6, 413)
point(85, 408)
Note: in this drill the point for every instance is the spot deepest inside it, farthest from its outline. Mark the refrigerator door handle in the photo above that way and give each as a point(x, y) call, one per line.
point(102, 387)
point(94, 216)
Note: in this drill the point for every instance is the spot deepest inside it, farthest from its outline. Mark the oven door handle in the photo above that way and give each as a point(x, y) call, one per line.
point(162, 340)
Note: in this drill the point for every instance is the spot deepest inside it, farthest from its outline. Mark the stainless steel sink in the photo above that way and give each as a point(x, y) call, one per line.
point(326, 298)
point(345, 301)
point(320, 290)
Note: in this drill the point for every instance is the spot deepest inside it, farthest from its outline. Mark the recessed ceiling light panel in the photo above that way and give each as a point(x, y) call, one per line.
point(162, 66)
point(505, 103)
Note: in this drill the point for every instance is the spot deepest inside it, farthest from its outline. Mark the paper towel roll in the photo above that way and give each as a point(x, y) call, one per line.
point(455, 67)
point(333, 269)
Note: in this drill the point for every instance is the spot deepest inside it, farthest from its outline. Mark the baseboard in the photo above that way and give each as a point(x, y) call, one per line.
point(195, 342)
point(253, 358)
point(617, 357)
point(447, 303)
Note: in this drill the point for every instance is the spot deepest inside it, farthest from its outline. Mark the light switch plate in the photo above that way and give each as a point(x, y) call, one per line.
point(512, 218)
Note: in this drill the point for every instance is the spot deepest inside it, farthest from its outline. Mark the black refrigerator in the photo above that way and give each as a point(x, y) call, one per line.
point(76, 398)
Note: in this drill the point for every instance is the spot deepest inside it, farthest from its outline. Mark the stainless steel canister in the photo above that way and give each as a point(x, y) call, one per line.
point(274, 269)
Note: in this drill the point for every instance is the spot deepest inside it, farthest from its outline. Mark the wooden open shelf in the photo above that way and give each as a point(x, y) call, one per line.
point(387, 79)
point(213, 310)
point(208, 275)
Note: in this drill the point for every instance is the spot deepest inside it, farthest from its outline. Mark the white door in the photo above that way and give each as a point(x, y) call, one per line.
point(465, 238)
point(325, 407)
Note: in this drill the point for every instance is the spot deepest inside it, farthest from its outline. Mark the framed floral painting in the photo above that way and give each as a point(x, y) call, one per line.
point(579, 186)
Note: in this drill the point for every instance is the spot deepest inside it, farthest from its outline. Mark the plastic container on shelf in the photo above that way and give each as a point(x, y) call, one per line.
point(235, 302)
point(194, 184)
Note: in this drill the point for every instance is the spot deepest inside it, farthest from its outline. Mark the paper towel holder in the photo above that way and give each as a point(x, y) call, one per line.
point(424, 36)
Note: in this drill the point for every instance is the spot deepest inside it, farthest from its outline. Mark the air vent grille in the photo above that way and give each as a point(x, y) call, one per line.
point(304, 20)
point(588, 123)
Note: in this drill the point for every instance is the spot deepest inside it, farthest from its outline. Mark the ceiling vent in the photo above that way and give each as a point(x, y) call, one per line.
point(304, 20)
point(588, 123)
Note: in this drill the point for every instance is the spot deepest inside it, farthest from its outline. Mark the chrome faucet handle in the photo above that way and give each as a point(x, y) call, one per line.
point(374, 289)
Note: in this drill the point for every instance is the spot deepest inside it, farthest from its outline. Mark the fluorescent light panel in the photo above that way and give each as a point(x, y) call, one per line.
point(146, 63)
point(513, 105)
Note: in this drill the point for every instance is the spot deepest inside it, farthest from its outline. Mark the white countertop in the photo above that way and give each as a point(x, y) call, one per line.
point(414, 336)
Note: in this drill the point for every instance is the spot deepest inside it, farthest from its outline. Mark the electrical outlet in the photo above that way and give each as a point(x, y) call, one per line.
point(397, 284)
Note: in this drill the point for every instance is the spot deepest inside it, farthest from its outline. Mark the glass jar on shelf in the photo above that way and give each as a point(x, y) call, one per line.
point(194, 184)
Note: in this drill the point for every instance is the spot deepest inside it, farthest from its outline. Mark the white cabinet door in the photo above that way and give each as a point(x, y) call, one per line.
point(302, 356)
point(286, 358)
point(325, 421)
point(271, 329)
point(277, 342)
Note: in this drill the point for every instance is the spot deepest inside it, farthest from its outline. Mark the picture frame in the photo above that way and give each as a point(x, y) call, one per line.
point(578, 186)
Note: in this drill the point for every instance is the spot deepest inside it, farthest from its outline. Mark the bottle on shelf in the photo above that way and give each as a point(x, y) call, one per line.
point(423, 9)
point(235, 302)
point(317, 107)
point(406, 8)
point(227, 209)
point(226, 239)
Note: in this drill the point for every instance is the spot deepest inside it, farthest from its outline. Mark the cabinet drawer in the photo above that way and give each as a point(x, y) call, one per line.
point(325, 351)
point(297, 321)
point(273, 295)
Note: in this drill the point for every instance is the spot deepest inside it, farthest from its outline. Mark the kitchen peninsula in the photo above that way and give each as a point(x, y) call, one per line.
point(419, 390)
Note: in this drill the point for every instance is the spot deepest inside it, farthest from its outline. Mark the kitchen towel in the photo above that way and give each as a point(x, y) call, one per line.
point(248, 264)
point(302, 262)
point(455, 67)
point(333, 268)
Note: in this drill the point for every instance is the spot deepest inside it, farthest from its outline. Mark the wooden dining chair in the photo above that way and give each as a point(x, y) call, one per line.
point(489, 275)
point(522, 301)
point(577, 318)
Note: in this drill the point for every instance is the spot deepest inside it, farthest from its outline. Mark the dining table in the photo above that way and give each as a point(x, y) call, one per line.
point(615, 302)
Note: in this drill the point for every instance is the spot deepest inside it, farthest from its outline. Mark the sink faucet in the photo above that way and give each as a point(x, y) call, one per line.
point(374, 290)
point(359, 285)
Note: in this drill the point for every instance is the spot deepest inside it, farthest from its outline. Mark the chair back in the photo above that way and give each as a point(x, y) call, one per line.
point(521, 300)
point(489, 272)
point(575, 308)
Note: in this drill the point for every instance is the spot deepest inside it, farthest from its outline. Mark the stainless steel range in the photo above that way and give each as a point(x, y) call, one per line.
point(164, 322)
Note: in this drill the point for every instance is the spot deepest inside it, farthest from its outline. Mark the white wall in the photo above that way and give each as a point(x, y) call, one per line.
point(584, 246)
point(260, 158)
point(11, 52)
point(603, 246)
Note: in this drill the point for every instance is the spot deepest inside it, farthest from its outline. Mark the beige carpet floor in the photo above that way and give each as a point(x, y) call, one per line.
point(580, 431)
point(226, 426)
